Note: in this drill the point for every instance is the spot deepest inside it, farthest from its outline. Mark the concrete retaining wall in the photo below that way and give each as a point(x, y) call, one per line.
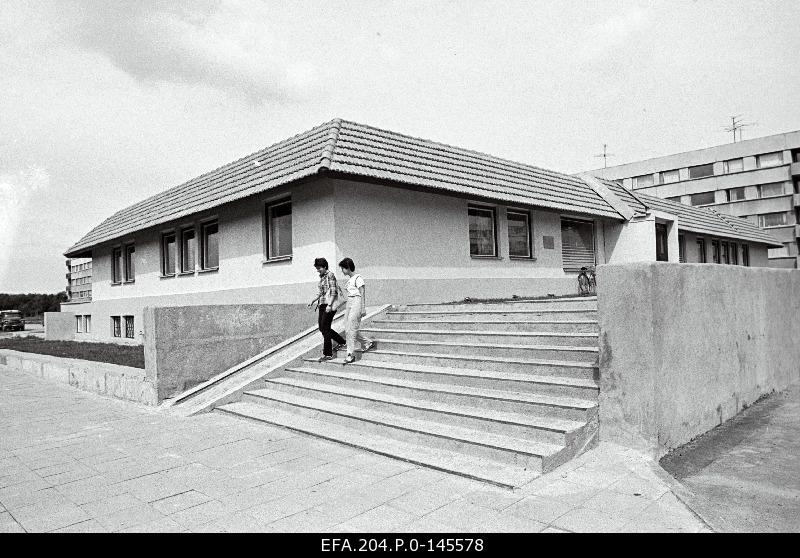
point(187, 345)
point(122, 382)
point(684, 347)
point(59, 326)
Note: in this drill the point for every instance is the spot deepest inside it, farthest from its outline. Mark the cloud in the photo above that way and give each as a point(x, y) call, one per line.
point(230, 46)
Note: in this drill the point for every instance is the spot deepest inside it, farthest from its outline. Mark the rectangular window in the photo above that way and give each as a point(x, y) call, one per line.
point(78, 324)
point(130, 271)
point(279, 229)
point(769, 160)
point(745, 255)
point(87, 324)
point(116, 265)
point(676, 199)
point(770, 190)
point(577, 244)
point(643, 181)
point(168, 254)
point(735, 194)
point(662, 243)
point(116, 326)
point(726, 255)
point(733, 165)
point(482, 241)
point(188, 250)
point(703, 198)
point(209, 257)
point(699, 171)
point(129, 333)
point(666, 177)
point(701, 250)
point(734, 254)
point(681, 248)
point(715, 251)
point(772, 219)
point(519, 234)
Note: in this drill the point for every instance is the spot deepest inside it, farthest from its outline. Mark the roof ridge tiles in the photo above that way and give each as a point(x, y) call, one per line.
point(326, 157)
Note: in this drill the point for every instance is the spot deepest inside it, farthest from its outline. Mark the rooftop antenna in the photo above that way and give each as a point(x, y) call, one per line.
point(605, 155)
point(737, 124)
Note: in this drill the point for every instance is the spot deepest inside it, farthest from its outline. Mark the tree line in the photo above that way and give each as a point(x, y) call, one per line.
point(32, 304)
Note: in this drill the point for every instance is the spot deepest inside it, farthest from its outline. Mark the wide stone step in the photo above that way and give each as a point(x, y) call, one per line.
point(546, 429)
point(436, 458)
point(365, 391)
point(566, 368)
point(494, 315)
point(458, 335)
point(505, 449)
point(563, 386)
point(569, 326)
point(585, 303)
point(550, 352)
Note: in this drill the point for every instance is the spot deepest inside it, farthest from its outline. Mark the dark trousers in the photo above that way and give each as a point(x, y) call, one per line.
point(325, 319)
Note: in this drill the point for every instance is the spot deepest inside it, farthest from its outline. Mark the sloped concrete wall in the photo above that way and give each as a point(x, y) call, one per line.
point(684, 347)
point(187, 345)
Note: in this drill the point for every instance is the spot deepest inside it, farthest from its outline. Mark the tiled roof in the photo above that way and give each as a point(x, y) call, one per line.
point(709, 221)
point(625, 195)
point(355, 149)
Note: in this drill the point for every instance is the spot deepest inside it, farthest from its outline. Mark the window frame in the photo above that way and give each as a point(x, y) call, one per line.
point(709, 165)
point(117, 264)
point(734, 255)
point(759, 164)
point(737, 189)
point(129, 266)
point(79, 324)
point(726, 165)
point(493, 211)
point(636, 184)
point(761, 219)
point(716, 251)
point(182, 250)
point(691, 198)
point(746, 255)
point(661, 175)
point(725, 252)
point(582, 221)
point(164, 252)
point(87, 323)
point(529, 229)
point(681, 248)
point(130, 327)
point(701, 250)
point(761, 190)
point(204, 226)
point(116, 326)
point(268, 237)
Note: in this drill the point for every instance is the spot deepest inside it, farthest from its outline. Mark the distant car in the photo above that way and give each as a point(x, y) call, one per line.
point(11, 320)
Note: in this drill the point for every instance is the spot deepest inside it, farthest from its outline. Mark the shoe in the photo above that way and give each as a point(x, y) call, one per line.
point(369, 347)
point(339, 348)
point(323, 358)
point(349, 359)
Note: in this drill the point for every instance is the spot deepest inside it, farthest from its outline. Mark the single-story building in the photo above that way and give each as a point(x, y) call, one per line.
point(423, 221)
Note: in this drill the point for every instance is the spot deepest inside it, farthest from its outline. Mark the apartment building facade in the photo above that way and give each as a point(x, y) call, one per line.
point(757, 179)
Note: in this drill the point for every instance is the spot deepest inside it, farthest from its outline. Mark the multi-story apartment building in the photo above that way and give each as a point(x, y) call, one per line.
point(758, 179)
point(79, 280)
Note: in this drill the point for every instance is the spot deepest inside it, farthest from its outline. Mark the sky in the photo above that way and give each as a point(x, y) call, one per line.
point(104, 102)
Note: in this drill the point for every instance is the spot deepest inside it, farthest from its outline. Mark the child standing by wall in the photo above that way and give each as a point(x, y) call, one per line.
point(356, 309)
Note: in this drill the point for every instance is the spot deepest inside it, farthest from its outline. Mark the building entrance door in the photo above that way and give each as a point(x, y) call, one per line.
point(661, 243)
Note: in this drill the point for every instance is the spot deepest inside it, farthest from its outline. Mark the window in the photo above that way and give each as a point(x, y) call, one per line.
point(770, 190)
point(481, 231)
point(772, 219)
point(87, 322)
point(130, 272)
point(699, 171)
point(733, 165)
point(116, 326)
point(715, 251)
point(643, 181)
point(279, 229)
point(734, 254)
point(209, 256)
point(168, 254)
point(662, 243)
point(669, 176)
point(726, 255)
point(735, 194)
point(116, 265)
point(682, 248)
point(745, 255)
point(769, 160)
point(188, 250)
point(78, 324)
point(704, 198)
point(577, 244)
point(519, 234)
point(701, 250)
point(676, 199)
point(129, 327)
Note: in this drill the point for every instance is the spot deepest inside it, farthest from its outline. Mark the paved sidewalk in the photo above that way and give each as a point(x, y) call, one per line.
point(744, 476)
point(75, 461)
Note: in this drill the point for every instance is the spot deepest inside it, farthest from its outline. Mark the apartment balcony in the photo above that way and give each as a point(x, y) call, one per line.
point(795, 169)
point(796, 200)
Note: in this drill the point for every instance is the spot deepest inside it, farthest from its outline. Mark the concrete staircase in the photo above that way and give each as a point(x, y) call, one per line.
point(498, 392)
